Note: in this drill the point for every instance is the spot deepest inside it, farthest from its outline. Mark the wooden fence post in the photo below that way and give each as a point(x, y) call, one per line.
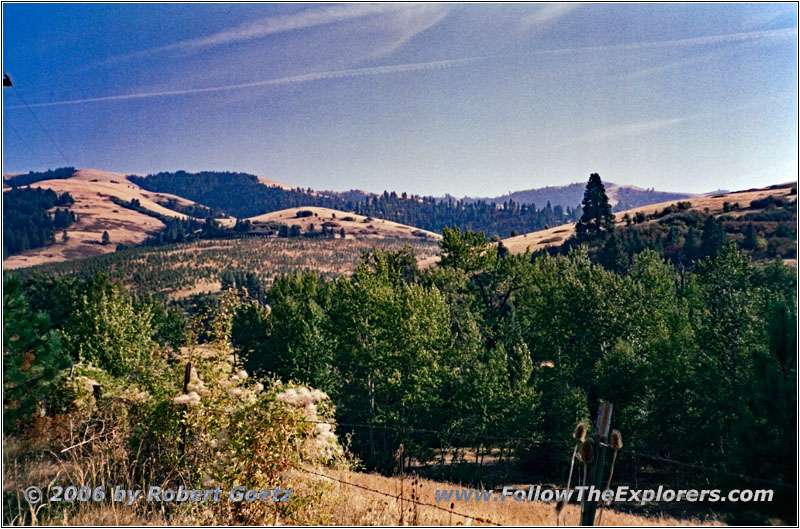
point(187, 377)
point(596, 476)
point(402, 478)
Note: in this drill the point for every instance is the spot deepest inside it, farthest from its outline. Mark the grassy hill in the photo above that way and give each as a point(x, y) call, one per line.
point(336, 220)
point(93, 192)
point(99, 196)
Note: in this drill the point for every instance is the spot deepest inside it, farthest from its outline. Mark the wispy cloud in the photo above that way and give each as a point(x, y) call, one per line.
point(545, 13)
point(773, 35)
point(402, 26)
point(448, 63)
point(623, 130)
point(308, 18)
point(304, 78)
point(669, 66)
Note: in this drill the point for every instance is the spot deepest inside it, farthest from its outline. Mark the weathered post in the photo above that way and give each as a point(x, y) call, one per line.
point(596, 476)
point(402, 479)
point(187, 377)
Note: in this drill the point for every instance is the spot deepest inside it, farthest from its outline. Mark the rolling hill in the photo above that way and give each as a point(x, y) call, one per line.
point(353, 224)
point(93, 191)
point(97, 195)
point(710, 204)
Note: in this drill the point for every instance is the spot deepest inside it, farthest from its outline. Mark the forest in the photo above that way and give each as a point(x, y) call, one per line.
point(27, 222)
point(37, 176)
point(224, 191)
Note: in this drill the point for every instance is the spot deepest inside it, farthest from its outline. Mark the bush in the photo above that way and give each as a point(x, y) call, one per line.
point(192, 418)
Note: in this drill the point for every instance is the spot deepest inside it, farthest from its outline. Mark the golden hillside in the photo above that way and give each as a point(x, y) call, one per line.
point(92, 190)
point(354, 225)
point(556, 236)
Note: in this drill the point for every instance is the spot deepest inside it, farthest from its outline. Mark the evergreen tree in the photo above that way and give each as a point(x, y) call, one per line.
point(597, 219)
point(33, 356)
point(691, 248)
point(612, 255)
point(750, 237)
point(713, 237)
point(106, 238)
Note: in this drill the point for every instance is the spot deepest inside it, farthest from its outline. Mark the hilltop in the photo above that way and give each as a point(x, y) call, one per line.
point(103, 203)
point(93, 191)
point(621, 197)
point(714, 205)
point(336, 220)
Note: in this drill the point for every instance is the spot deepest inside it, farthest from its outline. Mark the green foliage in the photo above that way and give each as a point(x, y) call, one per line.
point(137, 414)
point(713, 237)
point(33, 176)
point(485, 343)
point(684, 237)
point(32, 356)
point(109, 330)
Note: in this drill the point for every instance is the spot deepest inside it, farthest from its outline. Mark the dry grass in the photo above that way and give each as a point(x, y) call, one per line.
point(92, 191)
point(354, 506)
point(359, 226)
point(556, 236)
point(334, 503)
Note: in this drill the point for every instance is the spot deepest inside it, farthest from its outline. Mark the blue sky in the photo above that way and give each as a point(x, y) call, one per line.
point(467, 99)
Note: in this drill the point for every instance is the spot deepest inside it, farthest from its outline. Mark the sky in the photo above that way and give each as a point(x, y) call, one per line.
point(465, 99)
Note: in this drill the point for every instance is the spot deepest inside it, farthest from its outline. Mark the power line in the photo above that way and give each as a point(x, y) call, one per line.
point(24, 142)
point(431, 505)
point(50, 136)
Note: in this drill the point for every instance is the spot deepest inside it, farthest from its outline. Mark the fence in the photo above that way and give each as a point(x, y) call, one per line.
point(629, 457)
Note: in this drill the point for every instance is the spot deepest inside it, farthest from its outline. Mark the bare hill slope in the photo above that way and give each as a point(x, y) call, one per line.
point(93, 191)
point(354, 225)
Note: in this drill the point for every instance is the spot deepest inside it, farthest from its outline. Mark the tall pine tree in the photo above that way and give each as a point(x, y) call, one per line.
point(597, 219)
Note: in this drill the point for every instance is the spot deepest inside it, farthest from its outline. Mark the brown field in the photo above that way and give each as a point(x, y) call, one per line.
point(556, 236)
point(92, 191)
point(359, 226)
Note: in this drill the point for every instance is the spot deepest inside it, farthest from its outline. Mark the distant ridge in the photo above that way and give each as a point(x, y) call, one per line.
point(621, 197)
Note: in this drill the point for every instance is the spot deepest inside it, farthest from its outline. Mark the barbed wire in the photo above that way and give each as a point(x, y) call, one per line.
point(410, 429)
point(695, 466)
point(566, 443)
point(422, 503)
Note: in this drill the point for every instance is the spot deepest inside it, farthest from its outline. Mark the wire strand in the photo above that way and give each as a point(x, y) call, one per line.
point(24, 142)
point(704, 468)
point(450, 434)
point(50, 136)
point(556, 441)
point(432, 505)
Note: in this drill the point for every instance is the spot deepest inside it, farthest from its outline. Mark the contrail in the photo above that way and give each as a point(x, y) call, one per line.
point(317, 76)
point(434, 65)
